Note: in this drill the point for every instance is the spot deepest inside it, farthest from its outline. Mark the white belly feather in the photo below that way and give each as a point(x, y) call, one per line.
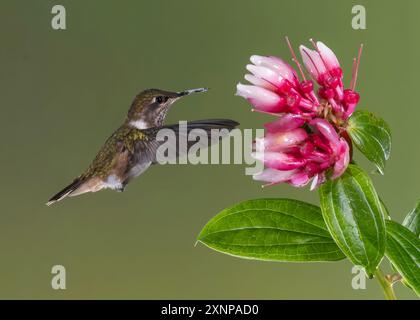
point(112, 182)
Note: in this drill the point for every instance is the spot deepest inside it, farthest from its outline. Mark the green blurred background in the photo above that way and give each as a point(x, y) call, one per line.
point(63, 92)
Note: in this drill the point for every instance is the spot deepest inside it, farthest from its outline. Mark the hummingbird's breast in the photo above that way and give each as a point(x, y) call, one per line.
point(120, 159)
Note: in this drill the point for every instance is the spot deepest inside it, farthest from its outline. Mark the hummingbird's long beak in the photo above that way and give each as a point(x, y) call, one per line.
point(187, 92)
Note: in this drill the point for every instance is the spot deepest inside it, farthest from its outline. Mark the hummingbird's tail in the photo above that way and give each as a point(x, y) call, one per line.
point(72, 187)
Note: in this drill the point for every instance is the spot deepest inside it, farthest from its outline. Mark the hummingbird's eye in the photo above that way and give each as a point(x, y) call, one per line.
point(161, 99)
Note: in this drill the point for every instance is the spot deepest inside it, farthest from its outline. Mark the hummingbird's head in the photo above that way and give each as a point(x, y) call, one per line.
point(150, 106)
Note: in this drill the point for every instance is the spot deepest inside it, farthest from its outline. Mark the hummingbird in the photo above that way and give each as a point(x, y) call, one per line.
point(132, 148)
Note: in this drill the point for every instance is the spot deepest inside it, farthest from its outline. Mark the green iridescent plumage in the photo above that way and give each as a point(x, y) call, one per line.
point(124, 137)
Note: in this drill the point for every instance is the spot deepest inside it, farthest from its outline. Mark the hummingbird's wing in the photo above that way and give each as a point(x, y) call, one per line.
point(195, 134)
point(178, 142)
point(199, 134)
point(179, 138)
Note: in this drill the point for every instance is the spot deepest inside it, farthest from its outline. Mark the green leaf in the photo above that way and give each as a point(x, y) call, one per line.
point(372, 136)
point(412, 220)
point(355, 217)
point(403, 250)
point(271, 229)
point(385, 208)
point(412, 223)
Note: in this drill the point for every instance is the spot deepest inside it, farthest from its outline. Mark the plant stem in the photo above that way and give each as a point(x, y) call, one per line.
point(385, 284)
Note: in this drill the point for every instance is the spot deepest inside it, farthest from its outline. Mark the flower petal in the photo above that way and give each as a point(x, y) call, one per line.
point(276, 64)
point(260, 82)
point(273, 175)
point(282, 140)
point(318, 180)
point(341, 164)
point(328, 56)
point(266, 74)
point(286, 122)
point(260, 98)
point(328, 131)
point(299, 179)
point(313, 62)
point(279, 160)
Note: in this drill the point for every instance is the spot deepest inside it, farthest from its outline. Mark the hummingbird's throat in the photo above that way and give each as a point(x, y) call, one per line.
point(150, 118)
point(161, 115)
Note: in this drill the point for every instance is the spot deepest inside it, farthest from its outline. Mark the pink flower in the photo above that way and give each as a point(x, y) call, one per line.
point(296, 155)
point(286, 122)
point(303, 144)
point(323, 65)
point(276, 88)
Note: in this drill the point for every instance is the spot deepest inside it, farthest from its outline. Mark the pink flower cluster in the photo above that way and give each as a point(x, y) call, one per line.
point(304, 143)
point(293, 155)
